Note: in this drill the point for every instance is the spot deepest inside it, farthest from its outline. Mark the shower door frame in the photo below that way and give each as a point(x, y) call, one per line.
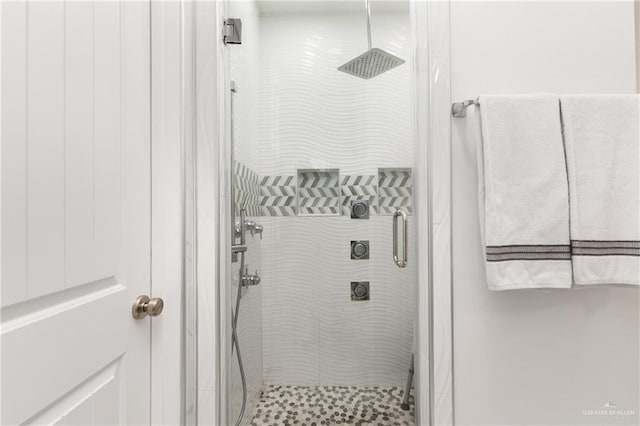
point(431, 30)
point(430, 82)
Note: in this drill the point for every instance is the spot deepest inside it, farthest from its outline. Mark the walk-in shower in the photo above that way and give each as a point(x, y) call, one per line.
point(321, 217)
point(323, 160)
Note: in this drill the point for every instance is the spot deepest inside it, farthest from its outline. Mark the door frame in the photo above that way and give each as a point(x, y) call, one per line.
point(171, 138)
point(212, 177)
point(430, 82)
point(431, 29)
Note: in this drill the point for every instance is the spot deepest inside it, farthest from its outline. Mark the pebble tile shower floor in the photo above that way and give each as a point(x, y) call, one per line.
point(331, 405)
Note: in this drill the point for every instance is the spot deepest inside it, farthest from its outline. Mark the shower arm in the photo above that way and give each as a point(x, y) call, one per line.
point(368, 10)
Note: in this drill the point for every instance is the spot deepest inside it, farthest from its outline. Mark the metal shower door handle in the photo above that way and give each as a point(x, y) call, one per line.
point(405, 233)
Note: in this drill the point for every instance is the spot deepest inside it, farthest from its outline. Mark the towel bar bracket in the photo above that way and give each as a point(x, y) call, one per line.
point(459, 109)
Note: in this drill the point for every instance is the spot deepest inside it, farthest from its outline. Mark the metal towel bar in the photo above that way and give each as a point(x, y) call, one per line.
point(459, 109)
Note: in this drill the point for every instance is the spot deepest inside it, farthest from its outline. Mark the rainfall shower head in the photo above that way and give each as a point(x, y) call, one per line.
point(374, 61)
point(371, 63)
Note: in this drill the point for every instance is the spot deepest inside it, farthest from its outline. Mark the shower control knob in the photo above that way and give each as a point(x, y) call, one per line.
point(144, 305)
point(251, 226)
point(258, 229)
point(249, 280)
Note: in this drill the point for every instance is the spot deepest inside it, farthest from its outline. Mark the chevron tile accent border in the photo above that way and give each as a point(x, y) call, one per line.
point(358, 188)
point(278, 196)
point(323, 192)
point(246, 186)
point(395, 190)
point(318, 192)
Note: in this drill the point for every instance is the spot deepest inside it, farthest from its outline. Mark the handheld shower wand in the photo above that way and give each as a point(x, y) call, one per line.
point(241, 249)
point(235, 250)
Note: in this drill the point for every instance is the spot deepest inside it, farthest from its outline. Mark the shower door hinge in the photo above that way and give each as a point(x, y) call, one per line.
point(232, 33)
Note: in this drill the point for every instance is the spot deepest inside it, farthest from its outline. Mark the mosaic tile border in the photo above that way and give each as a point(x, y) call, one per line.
point(278, 196)
point(317, 192)
point(359, 188)
point(246, 186)
point(331, 405)
point(395, 190)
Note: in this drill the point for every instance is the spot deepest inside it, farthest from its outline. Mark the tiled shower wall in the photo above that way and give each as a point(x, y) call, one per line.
point(325, 138)
point(313, 334)
point(315, 117)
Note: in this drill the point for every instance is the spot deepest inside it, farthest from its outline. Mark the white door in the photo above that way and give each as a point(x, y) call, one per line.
point(75, 212)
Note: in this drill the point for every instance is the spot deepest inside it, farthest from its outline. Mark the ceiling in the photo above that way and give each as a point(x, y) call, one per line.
point(279, 7)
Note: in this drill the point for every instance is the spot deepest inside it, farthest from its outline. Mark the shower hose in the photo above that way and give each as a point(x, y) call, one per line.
point(234, 337)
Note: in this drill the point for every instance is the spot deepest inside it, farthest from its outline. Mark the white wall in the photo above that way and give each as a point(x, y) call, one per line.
point(313, 116)
point(525, 357)
point(637, 22)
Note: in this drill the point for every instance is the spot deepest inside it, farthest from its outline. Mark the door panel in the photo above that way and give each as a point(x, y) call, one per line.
point(45, 168)
point(75, 212)
point(14, 153)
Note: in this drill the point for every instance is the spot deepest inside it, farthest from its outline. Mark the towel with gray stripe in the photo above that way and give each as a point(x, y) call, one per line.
point(560, 190)
point(524, 206)
point(602, 144)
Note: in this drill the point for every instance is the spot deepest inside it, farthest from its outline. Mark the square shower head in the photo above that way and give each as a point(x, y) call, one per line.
point(371, 63)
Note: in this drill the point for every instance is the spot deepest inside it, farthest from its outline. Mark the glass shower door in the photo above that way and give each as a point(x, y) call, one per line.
point(323, 178)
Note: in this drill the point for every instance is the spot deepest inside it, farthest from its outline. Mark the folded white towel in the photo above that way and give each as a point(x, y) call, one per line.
point(525, 194)
point(602, 143)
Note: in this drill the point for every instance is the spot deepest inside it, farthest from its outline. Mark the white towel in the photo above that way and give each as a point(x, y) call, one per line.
point(525, 194)
point(602, 143)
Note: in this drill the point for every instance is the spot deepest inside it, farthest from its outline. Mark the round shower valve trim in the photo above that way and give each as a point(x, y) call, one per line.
point(360, 291)
point(359, 249)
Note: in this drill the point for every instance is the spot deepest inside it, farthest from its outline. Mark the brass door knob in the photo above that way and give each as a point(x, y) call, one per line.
point(144, 306)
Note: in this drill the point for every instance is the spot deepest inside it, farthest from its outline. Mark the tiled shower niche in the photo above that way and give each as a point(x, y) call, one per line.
point(318, 192)
point(395, 190)
point(323, 192)
point(359, 188)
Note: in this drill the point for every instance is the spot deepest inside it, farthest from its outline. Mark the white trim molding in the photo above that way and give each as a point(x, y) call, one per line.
point(213, 174)
point(441, 319)
point(422, 202)
point(432, 98)
point(168, 144)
